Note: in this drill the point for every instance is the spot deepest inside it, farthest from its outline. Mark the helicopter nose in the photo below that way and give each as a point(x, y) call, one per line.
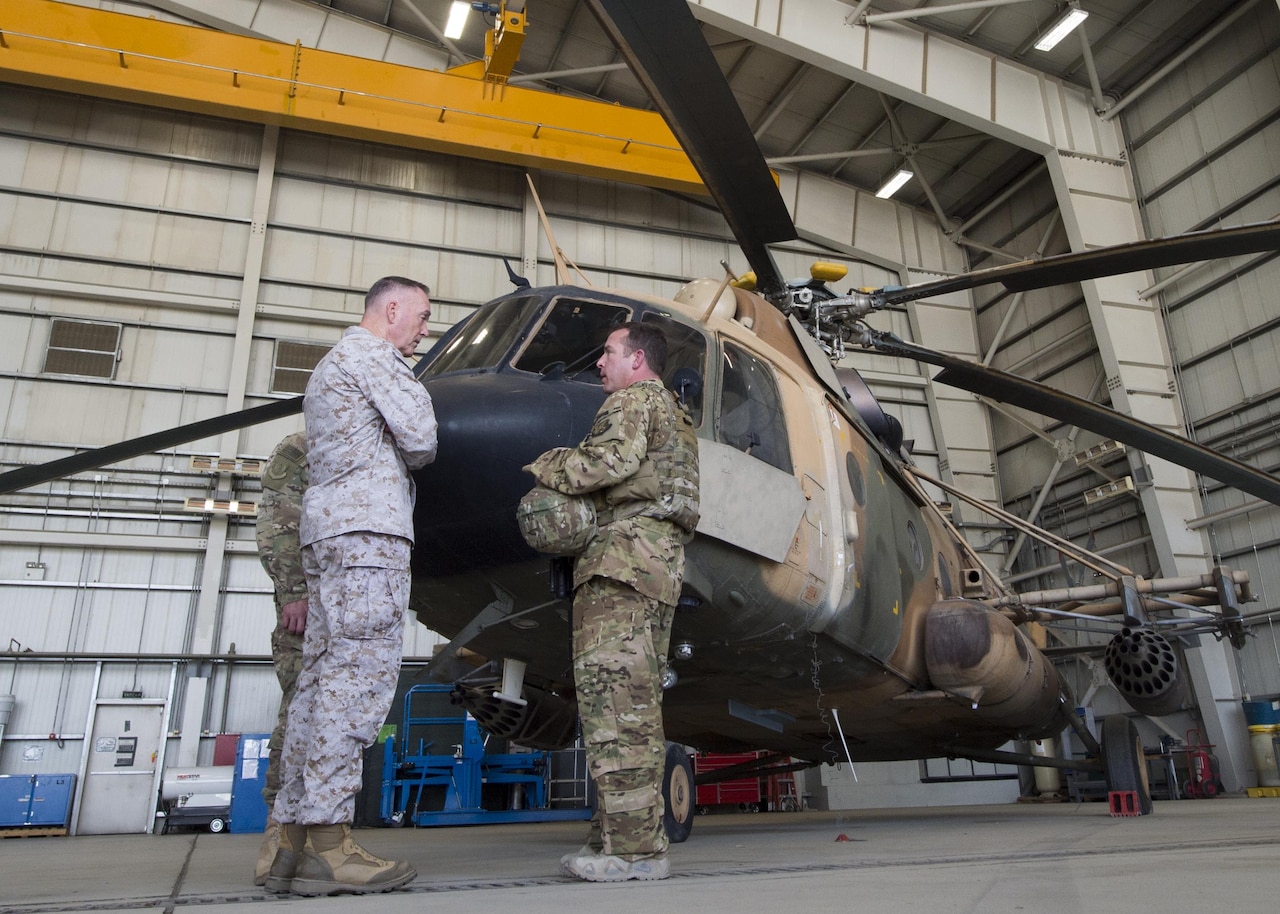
point(490, 426)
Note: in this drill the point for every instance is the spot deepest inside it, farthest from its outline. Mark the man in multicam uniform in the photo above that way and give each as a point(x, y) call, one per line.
point(283, 481)
point(369, 422)
point(641, 460)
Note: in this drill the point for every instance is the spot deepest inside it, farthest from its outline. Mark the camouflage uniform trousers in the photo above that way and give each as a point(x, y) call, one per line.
point(358, 587)
point(286, 656)
point(620, 641)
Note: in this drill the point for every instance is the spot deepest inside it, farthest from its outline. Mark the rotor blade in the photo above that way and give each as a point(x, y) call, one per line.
point(1040, 398)
point(664, 46)
point(24, 477)
point(1112, 261)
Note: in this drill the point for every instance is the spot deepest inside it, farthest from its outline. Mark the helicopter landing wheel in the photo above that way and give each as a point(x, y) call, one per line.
point(1124, 764)
point(677, 794)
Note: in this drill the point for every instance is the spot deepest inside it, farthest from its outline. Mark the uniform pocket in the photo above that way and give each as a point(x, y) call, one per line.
point(375, 587)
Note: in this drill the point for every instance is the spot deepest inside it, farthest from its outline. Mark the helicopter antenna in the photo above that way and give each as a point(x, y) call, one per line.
point(562, 271)
point(724, 284)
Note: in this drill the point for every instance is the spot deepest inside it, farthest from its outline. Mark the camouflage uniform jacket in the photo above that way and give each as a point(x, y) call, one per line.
point(641, 460)
point(284, 479)
point(369, 422)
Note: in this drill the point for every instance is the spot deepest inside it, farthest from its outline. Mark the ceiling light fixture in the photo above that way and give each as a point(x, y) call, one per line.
point(891, 187)
point(1071, 17)
point(457, 19)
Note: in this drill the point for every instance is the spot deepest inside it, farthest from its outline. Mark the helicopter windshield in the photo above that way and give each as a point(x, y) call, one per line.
point(486, 337)
point(566, 341)
point(571, 338)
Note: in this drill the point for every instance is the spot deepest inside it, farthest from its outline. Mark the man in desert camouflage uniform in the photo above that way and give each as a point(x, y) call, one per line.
point(369, 422)
point(284, 479)
point(641, 460)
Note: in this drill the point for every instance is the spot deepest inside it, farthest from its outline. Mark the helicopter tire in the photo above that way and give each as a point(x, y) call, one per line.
point(217, 825)
point(677, 794)
point(1124, 764)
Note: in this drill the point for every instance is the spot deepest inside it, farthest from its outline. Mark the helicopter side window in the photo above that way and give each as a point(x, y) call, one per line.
point(750, 409)
point(686, 363)
point(571, 339)
point(486, 337)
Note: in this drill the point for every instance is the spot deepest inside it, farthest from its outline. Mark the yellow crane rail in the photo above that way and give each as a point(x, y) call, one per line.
point(127, 58)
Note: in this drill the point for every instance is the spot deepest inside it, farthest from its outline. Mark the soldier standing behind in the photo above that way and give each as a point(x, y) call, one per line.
point(641, 460)
point(369, 422)
point(283, 481)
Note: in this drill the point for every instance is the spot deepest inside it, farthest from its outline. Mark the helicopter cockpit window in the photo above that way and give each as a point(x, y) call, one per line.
point(686, 363)
point(487, 336)
point(750, 410)
point(571, 339)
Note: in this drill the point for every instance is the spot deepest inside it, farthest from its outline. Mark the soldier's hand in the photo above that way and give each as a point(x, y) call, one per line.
point(293, 616)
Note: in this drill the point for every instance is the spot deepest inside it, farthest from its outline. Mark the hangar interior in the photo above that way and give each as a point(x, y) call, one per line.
point(181, 236)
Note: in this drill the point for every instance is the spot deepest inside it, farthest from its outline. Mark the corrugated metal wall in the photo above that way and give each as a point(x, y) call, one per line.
point(1204, 145)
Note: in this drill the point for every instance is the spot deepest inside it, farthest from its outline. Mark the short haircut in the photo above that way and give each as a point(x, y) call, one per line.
point(389, 284)
point(651, 339)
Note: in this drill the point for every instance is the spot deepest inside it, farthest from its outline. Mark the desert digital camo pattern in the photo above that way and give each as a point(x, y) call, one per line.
point(641, 460)
point(369, 421)
point(641, 457)
point(359, 585)
point(279, 511)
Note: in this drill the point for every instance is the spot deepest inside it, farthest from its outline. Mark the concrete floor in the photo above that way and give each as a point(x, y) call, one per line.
point(1221, 856)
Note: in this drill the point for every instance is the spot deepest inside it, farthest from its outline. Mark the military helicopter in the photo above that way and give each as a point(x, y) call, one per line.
point(830, 611)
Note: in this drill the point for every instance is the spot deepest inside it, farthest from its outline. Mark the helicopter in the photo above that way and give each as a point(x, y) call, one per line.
point(831, 611)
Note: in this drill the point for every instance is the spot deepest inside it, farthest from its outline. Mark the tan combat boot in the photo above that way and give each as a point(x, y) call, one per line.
point(285, 863)
point(333, 864)
point(267, 852)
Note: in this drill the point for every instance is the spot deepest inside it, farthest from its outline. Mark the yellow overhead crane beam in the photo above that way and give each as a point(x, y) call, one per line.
point(112, 55)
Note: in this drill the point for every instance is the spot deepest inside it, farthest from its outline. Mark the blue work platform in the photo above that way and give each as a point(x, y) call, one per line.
point(435, 771)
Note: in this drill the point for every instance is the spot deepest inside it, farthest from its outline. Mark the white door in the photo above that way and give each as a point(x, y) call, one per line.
point(119, 785)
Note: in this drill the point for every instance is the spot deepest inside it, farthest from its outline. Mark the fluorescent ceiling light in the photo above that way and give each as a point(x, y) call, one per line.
point(457, 19)
point(892, 186)
point(1065, 25)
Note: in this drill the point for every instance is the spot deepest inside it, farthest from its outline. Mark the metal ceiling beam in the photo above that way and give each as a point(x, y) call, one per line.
point(921, 12)
point(111, 55)
point(1189, 51)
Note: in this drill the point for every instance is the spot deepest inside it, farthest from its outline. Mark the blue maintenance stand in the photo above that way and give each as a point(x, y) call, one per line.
point(435, 771)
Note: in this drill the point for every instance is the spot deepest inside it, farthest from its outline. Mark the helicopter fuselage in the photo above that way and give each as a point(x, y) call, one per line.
point(803, 625)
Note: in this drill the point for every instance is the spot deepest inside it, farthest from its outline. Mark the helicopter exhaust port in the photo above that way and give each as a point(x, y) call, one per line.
point(1144, 668)
point(978, 655)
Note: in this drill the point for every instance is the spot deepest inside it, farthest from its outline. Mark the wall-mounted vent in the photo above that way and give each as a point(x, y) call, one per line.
point(86, 348)
point(294, 363)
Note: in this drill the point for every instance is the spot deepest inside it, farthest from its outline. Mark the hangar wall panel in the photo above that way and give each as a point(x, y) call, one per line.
point(1204, 146)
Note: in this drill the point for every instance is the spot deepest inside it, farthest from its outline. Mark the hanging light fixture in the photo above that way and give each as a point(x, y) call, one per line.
point(457, 19)
point(894, 184)
point(1065, 24)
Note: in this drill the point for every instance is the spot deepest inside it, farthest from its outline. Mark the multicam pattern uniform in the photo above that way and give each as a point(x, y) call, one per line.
point(283, 481)
point(641, 458)
point(369, 422)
